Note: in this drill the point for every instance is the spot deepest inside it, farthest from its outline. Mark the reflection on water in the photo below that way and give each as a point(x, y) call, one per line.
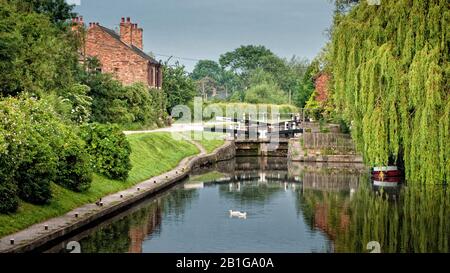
point(290, 208)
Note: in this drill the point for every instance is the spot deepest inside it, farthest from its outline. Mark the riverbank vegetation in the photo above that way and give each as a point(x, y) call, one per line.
point(62, 119)
point(391, 82)
point(152, 154)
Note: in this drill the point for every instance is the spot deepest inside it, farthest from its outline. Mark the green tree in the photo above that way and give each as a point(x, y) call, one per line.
point(391, 76)
point(306, 86)
point(247, 58)
point(57, 10)
point(178, 86)
point(207, 68)
point(265, 93)
point(109, 104)
point(36, 57)
point(109, 149)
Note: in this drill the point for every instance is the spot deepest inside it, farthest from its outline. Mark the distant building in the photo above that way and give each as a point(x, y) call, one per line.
point(121, 54)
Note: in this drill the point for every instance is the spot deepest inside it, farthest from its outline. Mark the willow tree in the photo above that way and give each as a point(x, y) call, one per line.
point(392, 83)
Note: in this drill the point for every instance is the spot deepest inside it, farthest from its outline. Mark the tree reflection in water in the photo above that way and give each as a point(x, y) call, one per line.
point(403, 219)
point(338, 200)
point(128, 233)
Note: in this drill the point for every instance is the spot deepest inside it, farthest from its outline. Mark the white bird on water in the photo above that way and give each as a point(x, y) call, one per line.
point(238, 214)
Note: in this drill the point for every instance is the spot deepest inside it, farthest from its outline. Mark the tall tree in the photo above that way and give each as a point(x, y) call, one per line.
point(36, 56)
point(207, 68)
point(247, 58)
point(391, 75)
point(57, 10)
point(178, 86)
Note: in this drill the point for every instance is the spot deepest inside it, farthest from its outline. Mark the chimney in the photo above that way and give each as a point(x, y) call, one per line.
point(126, 31)
point(77, 23)
point(130, 33)
point(138, 37)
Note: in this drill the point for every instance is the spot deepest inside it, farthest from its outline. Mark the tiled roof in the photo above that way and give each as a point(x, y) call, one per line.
point(132, 47)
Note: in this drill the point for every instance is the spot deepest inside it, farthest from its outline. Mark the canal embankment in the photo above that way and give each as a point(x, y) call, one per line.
point(56, 228)
point(323, 147)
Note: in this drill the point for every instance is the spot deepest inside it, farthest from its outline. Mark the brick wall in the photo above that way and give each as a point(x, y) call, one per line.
point(116, 58)
point(322, 82)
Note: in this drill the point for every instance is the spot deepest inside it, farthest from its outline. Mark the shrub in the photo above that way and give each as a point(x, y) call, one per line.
point(8, 197)
point(74, 169)
point(265, 93)
point(28, 158)
point(147, 106)
point(108, 101)
point(37, 169)
point(109, 150)
point(80, 103)
point(8, 191)
point(36, 149)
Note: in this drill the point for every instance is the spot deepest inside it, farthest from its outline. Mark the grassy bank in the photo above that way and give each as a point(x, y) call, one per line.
point(152, 155)
point(209, 141)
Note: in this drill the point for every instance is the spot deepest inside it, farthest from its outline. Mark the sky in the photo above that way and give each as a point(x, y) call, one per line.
point(192, 30)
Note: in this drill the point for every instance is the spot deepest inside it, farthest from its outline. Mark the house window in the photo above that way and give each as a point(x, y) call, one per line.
point(150, 76)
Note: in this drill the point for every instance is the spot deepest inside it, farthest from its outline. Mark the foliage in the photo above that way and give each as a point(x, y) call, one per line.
point(391, 81)
point(147, 106)
point(249, 66)
point(207, 68)
point(8, 197)
point(244, 60)
point(153, 154)
point(113, 102)
point(178, 86)
point(109, 149)
point(74, 170)
point(57, 10)
point(108, 99)
point(79, 102)
point(35, 56)
point(306, 86)
point(247, 58)
point(39, 149)
point(265, 93)
point(269, 109)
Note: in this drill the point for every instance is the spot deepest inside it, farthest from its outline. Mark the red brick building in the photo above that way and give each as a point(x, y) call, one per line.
point(322, 81)
point(121, 54)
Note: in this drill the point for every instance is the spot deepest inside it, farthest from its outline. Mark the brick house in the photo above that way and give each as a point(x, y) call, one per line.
point(121, 54)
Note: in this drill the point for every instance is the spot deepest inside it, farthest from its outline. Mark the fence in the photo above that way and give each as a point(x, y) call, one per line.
point(334, 141)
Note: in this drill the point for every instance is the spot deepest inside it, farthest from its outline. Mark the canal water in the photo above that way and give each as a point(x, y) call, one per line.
point(290, 208)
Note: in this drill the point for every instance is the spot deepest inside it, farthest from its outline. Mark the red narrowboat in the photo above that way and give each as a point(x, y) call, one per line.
point(384, 173)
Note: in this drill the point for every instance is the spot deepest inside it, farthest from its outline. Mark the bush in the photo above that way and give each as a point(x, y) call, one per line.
point(108, 101)
point(74, 169)
point(265, 93)
point(37, 149)
point(147, 106)
point(28, 158)
point(8, 191)
point(37, 169)
point(109, 150)
point(8, 197)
